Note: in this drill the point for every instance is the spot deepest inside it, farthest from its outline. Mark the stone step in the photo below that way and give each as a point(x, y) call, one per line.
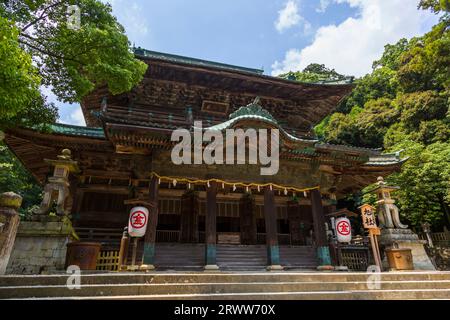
point(221, 277)
point(43, 291)
point(345, 295)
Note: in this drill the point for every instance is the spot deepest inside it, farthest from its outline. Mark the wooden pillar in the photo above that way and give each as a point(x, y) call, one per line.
point(270, 215)
point(247, 220)
point(189, 218)
point(150, 234)
point(210, 227)
point(293, 211)
point(323, 251)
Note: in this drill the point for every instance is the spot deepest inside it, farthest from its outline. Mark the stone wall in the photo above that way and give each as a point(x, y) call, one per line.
point(40, 247)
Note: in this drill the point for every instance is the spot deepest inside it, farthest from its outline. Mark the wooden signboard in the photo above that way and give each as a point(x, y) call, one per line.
point(368, 216)
point(370, 223)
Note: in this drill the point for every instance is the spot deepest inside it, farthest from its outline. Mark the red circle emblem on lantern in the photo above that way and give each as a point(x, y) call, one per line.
point(343, 228)
point(138, 219)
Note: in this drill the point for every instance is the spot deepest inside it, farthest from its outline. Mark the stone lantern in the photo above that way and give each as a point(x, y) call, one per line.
point(57, 186)
point(394, 234)
point(388, 213)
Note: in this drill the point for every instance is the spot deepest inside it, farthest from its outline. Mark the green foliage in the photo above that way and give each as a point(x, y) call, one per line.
point(364, 127)
point(436, 6)
point(38, 47)
point(14, 177)
point(405, 104)
point(426, 66)
point(73, 61)
point(314, 73)
point(424, 181)
point(391, 55)
point(19, 79)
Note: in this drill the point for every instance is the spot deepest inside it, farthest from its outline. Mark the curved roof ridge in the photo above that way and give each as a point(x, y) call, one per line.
point(254, 111)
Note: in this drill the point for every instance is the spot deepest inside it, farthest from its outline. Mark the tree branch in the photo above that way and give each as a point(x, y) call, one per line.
point(41, 16)
point(51, 54)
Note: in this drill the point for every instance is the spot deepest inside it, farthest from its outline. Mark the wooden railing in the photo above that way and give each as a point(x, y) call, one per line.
point(110, 238)
point(167, 235)
point(440, 239)
point(356, 258)
point(108, 260)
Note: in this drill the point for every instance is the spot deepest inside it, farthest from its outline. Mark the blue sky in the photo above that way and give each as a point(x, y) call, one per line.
point(278, 35)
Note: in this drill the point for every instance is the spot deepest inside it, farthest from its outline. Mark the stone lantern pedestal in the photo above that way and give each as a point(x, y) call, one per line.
point(407, 239)
point(9, 223)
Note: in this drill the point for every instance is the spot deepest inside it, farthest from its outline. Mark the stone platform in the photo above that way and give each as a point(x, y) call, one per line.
point(233, 286)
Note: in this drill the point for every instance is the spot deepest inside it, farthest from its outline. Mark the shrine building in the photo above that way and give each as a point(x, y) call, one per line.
point(219, 216)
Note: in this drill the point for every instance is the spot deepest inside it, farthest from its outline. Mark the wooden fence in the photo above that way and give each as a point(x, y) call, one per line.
point(440, 239)
point(108, 260)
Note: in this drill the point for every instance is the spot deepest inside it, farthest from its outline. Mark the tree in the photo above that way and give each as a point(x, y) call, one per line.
point(72, 60)
point(425, 182)
point(436, 6)
point(14, 177)
point(19, 85)
point(39, 46)
point(314, 73)
point(405, 104)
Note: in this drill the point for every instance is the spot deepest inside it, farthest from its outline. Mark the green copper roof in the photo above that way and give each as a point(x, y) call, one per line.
point(254, 111)
point(193, 61)
point(72, 130)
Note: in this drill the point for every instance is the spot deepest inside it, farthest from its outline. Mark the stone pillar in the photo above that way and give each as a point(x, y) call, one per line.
point(150, 234)
point(247, 220)
point(210, 227)
point(189, 218)
point(323, 251)
point(270, 215)
point(9, 223)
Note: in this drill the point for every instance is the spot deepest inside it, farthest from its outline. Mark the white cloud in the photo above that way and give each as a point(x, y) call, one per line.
point(76, 117)
point(289, 17)
point(323, 5)
point(353, 45)
point(132, 16)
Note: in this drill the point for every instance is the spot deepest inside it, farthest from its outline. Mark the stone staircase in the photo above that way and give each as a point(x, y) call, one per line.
point(231, 286)
point(179, 256)
point(298, 257)
point(240, 257)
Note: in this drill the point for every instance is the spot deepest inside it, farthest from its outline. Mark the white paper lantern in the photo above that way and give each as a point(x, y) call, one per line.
point(137, 223)
point(343, 229)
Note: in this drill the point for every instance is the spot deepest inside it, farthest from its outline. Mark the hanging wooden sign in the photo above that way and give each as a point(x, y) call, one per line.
point(369, 222)
point(368, 216)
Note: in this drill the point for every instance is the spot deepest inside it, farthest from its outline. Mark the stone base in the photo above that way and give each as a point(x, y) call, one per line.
point(133, 268)
point(146, 267)
point(40, 247)
point(274, 267)
point(406, 239)
point(325, 268)
point(340, 268)
point(211, 267)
